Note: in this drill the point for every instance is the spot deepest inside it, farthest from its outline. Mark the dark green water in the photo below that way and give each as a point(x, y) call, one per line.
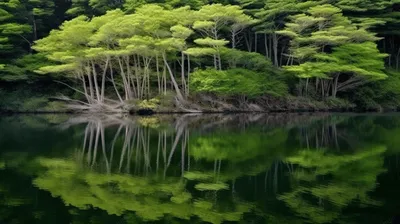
point(284, 168)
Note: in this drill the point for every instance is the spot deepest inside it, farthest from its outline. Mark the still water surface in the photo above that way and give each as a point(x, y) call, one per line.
point(283, 168)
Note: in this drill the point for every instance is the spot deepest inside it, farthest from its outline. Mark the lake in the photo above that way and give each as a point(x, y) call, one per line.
point(254, 168)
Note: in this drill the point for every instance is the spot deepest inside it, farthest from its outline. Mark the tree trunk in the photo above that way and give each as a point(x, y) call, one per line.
point(34, 28)
point(125, 83)
point(144, 79)
point(137, 74)
point(255, 42)
point(335, 86)
point(270, 46)
point(219, 60)
point(178, 92)
point(88, 73)
point(183, 73)
point(281, 56)
point(84, 88)
point(158, 76)
point(330, 84)
point(275, 46)
point(397, 59)
point(103, 79)
point(306, 90)
point(115, 87)
point(165, 79)
point(96, 85)
point(249, 41)
point(266, 45)
point(188, 78)
point(129, 76)
point(233, 39)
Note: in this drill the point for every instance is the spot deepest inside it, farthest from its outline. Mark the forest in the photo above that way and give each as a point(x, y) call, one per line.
point(196, 56)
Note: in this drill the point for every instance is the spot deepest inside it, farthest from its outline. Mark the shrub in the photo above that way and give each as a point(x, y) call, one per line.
point(385, 93)
point(236, 82)
point(149, 104)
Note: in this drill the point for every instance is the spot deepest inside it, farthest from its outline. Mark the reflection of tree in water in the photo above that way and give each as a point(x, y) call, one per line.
point(336, 167)
point(143, 172)
point(323, 134)
point(20, 201)
point(134, 148)
point(325, 183)
point(212, 170)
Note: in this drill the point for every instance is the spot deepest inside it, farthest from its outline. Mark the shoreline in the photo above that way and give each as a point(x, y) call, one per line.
point(149, 112)
point(212, 105)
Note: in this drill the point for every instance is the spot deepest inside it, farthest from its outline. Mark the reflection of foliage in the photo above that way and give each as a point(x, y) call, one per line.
point(211, 186)
point(152, 122)
point(196, 175)
point(20, 202)
point(9, 202)
point(236, 146)
point(236, 153)
point(329, 182)
point(150, 197)
point(217, 174)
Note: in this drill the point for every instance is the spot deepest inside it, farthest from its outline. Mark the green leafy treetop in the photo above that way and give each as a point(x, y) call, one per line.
point(92, 8)
point(14, 39)
point(324, 41)
point(10, 29)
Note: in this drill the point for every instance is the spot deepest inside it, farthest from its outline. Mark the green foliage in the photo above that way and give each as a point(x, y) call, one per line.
point(12, 30)
point(388, 90)
point(361, 59)
point(23, 68)
point(21, 23)
point(20, 97)
point(377, 95)
point(34, 103)
point(235, 82)
point(247, 60)
point(338, 103)
point(149, 104)
point(327, 43)
point(328, 46)
point(349, 181)
point(92, 7)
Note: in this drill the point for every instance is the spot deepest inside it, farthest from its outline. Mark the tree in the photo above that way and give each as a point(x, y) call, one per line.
point(12, 31)
point(212, 19)
point(38, 11)
point(14, 40)
point(118, 44)
point(323, 42)
point(272, 17)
